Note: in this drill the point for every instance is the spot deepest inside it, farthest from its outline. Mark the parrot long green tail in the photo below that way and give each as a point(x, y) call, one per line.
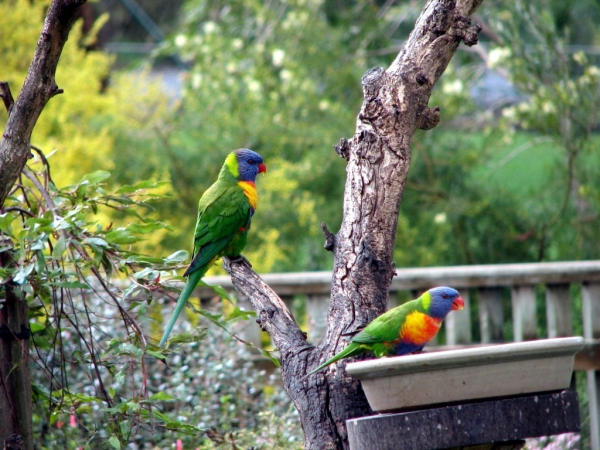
point(352, 350)
point(187, 290)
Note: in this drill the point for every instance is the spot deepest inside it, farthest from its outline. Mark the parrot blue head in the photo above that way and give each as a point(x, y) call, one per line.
point(443, 300)
point(245, 164)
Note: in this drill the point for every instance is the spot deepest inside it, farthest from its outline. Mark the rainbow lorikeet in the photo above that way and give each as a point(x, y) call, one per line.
point(224, 214)
point(403, 329)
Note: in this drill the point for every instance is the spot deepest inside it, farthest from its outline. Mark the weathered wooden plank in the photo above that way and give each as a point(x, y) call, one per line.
point(524, 313)
point(468, 424)
point(393, 300)
point(458, 323)
point(248, 330)
point(426, 277)
point(591, 330)
point(316, 315)
point(558, 310)
point(491, 317)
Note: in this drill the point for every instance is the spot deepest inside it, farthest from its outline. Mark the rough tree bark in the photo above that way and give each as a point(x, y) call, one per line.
point(378, 155)
point(39, 87)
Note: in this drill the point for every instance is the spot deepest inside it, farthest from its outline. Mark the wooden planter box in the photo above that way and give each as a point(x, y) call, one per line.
point(413, 381)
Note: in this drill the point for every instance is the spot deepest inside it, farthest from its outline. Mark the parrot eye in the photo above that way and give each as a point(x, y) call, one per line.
point(444, 296)
point(251, 161)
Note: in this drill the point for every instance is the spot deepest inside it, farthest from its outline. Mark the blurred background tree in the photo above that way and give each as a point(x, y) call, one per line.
point(488, 185)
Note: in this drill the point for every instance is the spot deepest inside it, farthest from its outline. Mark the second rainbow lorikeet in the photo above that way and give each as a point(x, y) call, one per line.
point(404, 329)
point(224, 214)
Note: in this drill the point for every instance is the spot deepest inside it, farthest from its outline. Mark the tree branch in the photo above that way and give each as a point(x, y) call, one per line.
point(39, 87)
point(395, 105)
point(273, 315)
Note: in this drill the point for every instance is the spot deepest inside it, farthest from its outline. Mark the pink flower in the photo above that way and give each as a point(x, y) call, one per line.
point(179, 444)
point(72, 421)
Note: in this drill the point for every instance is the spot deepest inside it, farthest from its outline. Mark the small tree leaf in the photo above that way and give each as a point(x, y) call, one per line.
point(95, 177)
point(114, 442)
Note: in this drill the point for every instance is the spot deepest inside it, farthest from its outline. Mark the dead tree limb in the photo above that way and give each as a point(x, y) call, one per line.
point(395, 105)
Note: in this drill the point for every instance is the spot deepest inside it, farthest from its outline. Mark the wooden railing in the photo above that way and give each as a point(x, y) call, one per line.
point(504, 300)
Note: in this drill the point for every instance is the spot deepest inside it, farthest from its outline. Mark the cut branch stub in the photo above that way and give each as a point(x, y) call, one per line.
point(343, 149)
point(429, 118)
point(329, 238)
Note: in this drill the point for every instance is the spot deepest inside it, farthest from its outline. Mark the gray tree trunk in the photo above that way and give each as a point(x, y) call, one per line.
point(39, 87)
point(378, 155)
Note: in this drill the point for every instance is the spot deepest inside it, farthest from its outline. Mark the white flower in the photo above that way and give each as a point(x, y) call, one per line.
point(210, 27)
point(548, 107)
point(286, 75)
point(277, 57)
point(254, 86)
point(196, 80)
point(453, 87)
point(237, 44)
point(180, 40)
point(580, 58)
point(509, 113)
point(497, 56)
point(593, 70)
point(440, 218)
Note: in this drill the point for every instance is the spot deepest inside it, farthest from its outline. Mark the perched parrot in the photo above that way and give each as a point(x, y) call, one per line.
point(403, 329)
point(224, 214)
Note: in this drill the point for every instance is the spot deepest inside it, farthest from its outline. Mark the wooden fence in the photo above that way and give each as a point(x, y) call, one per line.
point(504, 302)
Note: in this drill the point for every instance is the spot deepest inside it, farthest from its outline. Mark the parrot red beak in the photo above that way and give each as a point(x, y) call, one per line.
point(262, 168)
point(458, 304)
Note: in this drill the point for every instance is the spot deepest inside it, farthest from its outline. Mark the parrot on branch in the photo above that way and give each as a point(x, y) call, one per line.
point(404, 329)
point(224, 214)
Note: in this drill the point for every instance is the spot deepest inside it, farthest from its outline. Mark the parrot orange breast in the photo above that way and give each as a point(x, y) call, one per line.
point(250, 192)
point(419, 328)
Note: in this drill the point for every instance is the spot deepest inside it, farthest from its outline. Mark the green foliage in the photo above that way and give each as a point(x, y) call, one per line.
point(262, 77)
point(560, 107)
point(98, 378)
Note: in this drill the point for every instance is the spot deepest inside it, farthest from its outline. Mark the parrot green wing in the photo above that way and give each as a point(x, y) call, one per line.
point(223, 212)
point(386, 328)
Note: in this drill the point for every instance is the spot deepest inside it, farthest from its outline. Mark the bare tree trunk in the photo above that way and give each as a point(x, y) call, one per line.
point(378, 155)
point(38, 88)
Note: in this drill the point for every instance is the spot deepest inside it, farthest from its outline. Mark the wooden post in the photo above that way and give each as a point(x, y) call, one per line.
point(591, 330)
point(393, 300)
point(316, 315)
point(491, 317)
point(458, 323)
point(524, 313)
point(15, 378)
point(488, 424)
point(558, 310)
